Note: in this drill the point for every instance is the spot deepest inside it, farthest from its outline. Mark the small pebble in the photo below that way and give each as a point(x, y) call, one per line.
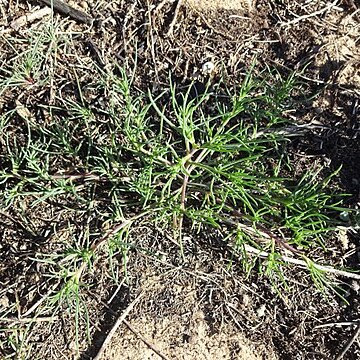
point(4, 301)
point(261, 310)
point(208, 67)
point(344, 216)
point(84, 5)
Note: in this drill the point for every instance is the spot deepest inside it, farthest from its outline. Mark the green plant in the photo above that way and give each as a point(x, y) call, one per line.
point(170, 160)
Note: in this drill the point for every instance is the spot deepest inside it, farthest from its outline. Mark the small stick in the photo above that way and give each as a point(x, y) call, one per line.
point(23, 20)
point(319, 12)
point(40, 301)
point(349, 343)
point(265, 233)
point(116, 325)
point(68, 10)
point(160, 6)
point(173, 22)
point(145, 341)
point(344, 323)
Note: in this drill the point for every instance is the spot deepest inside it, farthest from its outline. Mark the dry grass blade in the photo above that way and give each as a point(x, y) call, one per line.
point(29, 320)
point(344, 323)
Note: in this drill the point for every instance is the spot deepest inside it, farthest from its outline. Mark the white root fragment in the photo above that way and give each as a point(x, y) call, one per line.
point(303, 263)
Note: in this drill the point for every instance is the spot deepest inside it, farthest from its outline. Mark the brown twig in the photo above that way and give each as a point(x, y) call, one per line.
point(118, 322)
point(68, 10)
point(349, 343)
point(264, 232)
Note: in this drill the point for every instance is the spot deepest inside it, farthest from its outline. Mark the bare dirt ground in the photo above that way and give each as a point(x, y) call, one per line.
point(205, 308)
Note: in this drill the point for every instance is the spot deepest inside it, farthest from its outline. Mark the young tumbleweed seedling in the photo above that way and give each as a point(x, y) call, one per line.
point(169, 161)
point(217, 164)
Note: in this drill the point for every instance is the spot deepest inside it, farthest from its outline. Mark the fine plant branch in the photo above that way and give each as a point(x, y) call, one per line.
point(182, 210)
point(145, 341)
point(96, 245)
point(103, 240)
point(265, 233)
point(41, 300)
